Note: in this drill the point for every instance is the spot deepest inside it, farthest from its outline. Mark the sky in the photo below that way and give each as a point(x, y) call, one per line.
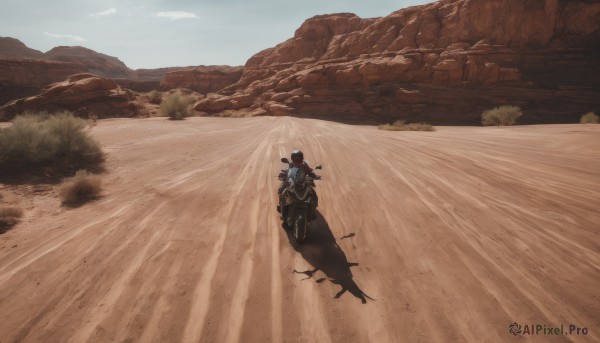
point(161, 33)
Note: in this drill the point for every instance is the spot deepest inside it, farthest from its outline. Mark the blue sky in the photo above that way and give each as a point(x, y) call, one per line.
point(160, 33)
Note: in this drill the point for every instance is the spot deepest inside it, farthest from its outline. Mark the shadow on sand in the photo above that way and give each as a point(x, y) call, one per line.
point(323, 253)
point(37, 174)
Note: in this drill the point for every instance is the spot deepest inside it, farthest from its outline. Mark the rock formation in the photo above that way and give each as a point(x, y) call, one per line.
point(94, 62)
point(25, 72)
point(85, 94)
point(25, 77)
point(203, 79)
point(443, 63)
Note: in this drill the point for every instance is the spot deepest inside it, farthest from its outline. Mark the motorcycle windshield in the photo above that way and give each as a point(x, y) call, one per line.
point(296, 175)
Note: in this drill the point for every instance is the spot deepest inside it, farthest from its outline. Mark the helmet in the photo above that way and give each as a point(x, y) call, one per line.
point(297, 155)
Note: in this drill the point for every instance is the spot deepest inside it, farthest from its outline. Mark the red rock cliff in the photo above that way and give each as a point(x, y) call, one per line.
point(25, 77)
point(203, 79)
point(443, 62)
point(85, 94)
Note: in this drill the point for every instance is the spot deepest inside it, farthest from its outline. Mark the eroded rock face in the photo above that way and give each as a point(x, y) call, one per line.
point(138, 85)
point(85, 94)
point(203, 79)
point(26, 77)
point(443, 62)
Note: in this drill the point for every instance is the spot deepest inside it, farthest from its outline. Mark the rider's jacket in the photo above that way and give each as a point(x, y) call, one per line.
point(304, 166)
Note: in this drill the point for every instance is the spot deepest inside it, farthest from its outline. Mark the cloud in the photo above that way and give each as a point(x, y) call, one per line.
point(107, 12)
point(75, 38)
point(175, 15)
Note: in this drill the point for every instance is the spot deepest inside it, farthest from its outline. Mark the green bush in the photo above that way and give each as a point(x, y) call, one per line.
point(589, 118)
point(502, 115)
point(400, 125)
point(177, 105)
point(42, 139)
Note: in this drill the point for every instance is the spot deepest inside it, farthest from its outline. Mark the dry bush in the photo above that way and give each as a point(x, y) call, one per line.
point(400, 125)
point(43, 139)
point(589, 118)
point(82, 187)
point(9, 217)
point(177, 105)
point(7, 213)
point(502, 115)
point(155, 97)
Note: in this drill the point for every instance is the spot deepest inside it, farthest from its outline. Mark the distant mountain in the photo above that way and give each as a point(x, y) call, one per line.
point(94, 62)
point(90, 60)
point(25, 71)
point(11, 47)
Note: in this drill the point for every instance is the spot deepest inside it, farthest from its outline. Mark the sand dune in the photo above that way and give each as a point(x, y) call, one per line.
point(443, 236)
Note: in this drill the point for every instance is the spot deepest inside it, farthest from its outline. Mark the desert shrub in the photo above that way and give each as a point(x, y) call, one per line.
point(35, 139)
point(81, 187)
point(400, 125)
point(502, 115)
point(155, 97)
point(589, 118)
point(177, 105)
point(72, 141)
point(26, 140)
point(9, 216)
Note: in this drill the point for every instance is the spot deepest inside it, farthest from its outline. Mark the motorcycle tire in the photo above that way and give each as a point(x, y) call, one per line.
point(301, 226)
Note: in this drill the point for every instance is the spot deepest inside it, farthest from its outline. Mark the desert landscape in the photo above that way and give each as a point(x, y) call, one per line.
point(458, 200)
point(446, 236)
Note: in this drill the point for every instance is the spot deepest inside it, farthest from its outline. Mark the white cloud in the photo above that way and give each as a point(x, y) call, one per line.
point(72, 37)
point(107, 12)
point(175, 15)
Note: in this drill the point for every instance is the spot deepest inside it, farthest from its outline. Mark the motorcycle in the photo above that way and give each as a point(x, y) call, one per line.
point(297, 199)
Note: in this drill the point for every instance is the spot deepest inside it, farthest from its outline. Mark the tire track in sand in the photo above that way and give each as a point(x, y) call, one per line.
point(110, 299)
point(264, 189)
point(201, 299)
point(31, 256)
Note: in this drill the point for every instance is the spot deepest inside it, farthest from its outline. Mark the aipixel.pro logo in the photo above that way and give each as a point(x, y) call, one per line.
point(546, 330)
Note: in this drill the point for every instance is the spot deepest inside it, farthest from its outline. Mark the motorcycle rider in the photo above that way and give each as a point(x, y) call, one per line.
point(299, 162)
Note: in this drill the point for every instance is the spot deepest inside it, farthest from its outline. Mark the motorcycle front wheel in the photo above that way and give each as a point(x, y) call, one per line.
point(301, 225)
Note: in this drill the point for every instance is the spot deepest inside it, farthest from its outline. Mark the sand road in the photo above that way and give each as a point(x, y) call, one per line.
point(422, 237)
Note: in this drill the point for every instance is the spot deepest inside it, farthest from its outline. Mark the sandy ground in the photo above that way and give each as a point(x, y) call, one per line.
point(422, 236)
